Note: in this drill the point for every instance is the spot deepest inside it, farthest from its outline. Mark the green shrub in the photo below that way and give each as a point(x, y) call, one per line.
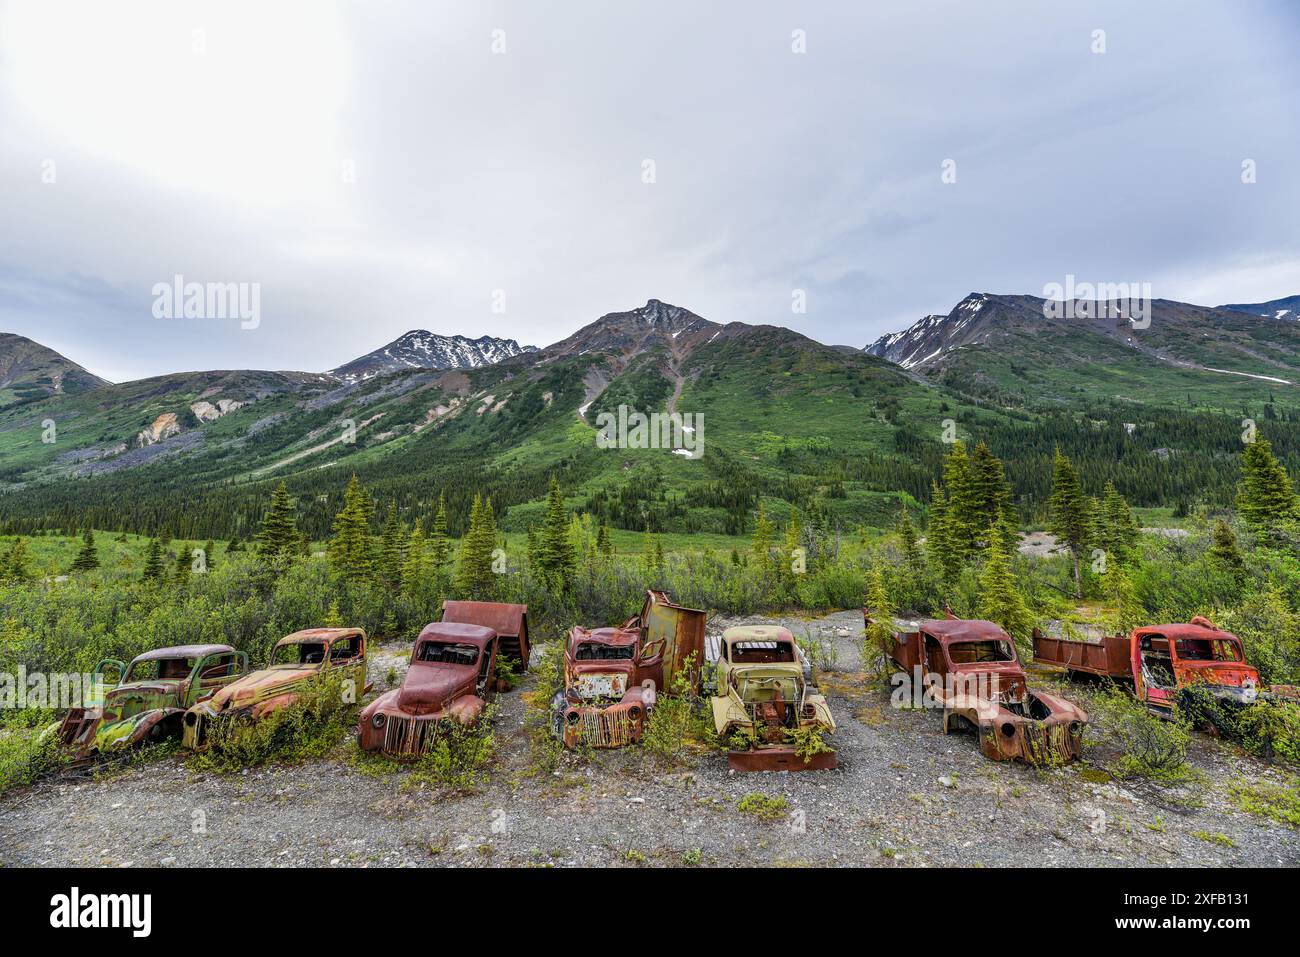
point(310, 727)
point(763, 807)
point(25, 757)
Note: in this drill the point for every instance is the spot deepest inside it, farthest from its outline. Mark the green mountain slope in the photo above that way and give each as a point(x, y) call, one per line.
point(29, 371)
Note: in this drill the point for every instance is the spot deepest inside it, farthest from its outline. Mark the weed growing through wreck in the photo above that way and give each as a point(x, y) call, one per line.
point(460, 759)
point(765, 808)
point(1149, 747)
point(679, 721)
point(1267, 729)
point(1281, 802)
point(545, 747)
point(807, 742)
point(308, 728)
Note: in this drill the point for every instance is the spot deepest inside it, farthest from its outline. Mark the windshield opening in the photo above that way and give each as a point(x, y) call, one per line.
point(762, 652)
point(159, 669)
point(1207, 649)
point(447, 653)
point(973, 652)
point(297, 655)
point(594, 651)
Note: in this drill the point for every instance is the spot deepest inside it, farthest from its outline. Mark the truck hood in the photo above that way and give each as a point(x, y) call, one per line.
point(126, 700)
point(1233, 673)
point(1009, 676)
point(430, 687)
point(260, 685)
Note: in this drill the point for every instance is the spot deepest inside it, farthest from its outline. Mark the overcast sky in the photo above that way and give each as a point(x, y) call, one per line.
point(379, 167)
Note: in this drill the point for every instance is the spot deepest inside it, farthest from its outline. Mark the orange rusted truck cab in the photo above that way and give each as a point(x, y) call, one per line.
point(1163, 661)
point(970, 668)
point(449, 681)
point(1167, 658)
point(295, 660)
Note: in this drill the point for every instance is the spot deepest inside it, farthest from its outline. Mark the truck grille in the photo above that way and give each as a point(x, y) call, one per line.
point(606, 728)
point(407, 736)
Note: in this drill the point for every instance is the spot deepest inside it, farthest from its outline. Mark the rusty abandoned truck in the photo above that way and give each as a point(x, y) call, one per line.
point(766, 701)
point(295, 661)
point(451, 677)
point(149, 698)
point(1162, 661)
point(613, 675)
point(969, 667)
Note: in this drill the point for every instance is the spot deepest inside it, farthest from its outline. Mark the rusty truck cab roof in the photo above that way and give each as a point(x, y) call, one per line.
point(1198, 627)
point(182, 651)
point(314, 635)
point(614, 635)
point(757, 633)
point(458, 632)
point(950, 630)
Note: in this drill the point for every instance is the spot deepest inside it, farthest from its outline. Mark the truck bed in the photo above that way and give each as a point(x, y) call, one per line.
point(1108, 655)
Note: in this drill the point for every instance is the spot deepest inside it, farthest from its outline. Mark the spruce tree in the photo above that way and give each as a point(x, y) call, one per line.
point(416, 567)
point(474, 579)
point(907, 541)
point(153, 563)
point(1070, 515)
point(999, 598)
point(88, 557)
point(351, 550)
point(181, 573)
point(937, 544)
point(964, 514)
point(277, 541)
point(555, 554)
point(882, 613)
point(15, 565)
point(793, 537)
point(1266, 499)
point(439, 544)
point(1117, 530)
point(1224, 551)
point(209, 555)
point(992, 492)
point(390, 552)
point(762, 539)
point(604, 545)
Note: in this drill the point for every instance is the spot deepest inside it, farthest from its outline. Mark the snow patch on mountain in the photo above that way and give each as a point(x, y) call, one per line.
point(421, 349)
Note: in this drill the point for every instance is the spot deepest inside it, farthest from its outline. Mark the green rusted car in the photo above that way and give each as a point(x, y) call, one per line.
point(149, 701)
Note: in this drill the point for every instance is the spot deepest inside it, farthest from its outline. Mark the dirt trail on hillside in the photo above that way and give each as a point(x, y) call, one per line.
point(905, 795)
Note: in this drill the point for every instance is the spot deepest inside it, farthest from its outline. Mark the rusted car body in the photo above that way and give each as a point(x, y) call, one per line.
point(765, 695)
point(612, 676)
point(450, 680)
point(295, 660)
point(970, 668)
point(149, 698)
point(510, 622)
point(1162, 661)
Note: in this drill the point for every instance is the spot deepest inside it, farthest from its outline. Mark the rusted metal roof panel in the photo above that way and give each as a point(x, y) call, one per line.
point(503, 618)
point(182, 651)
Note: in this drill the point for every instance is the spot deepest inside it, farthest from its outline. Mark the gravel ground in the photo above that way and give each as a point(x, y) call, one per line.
point(904, 795)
